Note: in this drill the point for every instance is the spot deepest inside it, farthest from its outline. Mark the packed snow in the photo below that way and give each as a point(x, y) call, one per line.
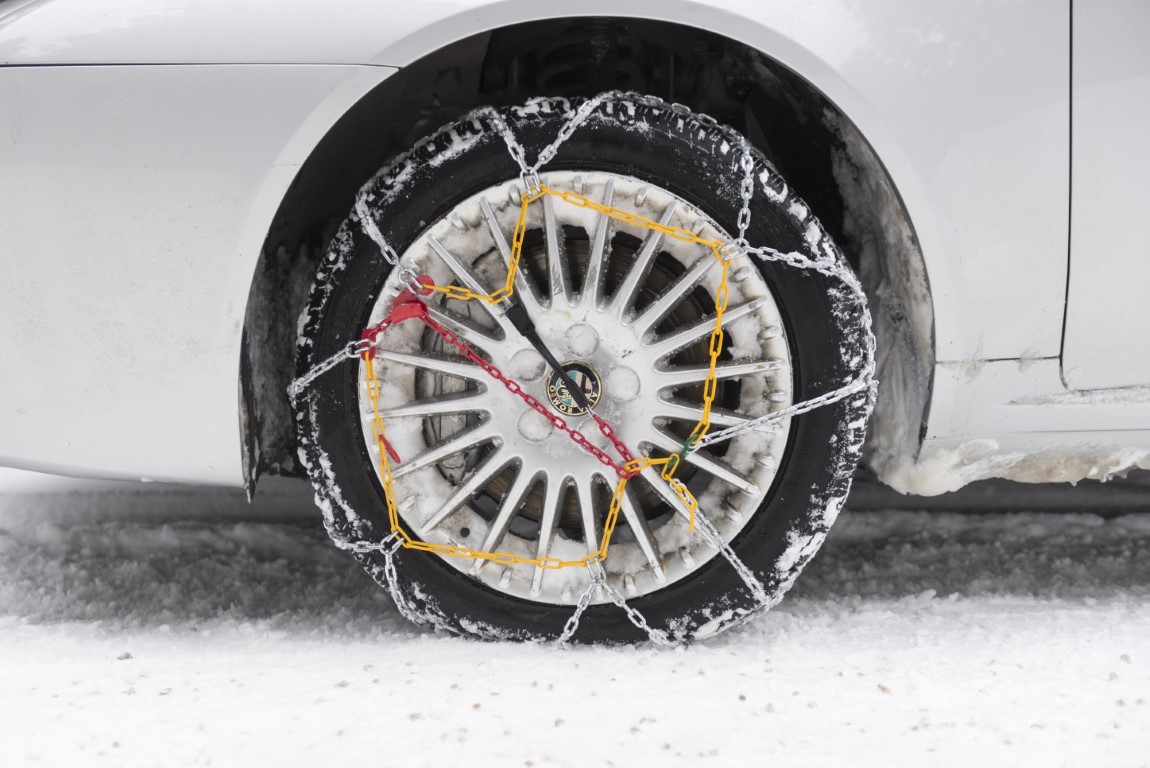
point(183, 627)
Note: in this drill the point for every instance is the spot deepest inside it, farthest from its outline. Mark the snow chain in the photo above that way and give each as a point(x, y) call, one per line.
point(410, 306)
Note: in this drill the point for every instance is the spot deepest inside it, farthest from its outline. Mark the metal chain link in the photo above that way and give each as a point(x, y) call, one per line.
point(834, 396)
point(598, 580)
point(864, 379)
point(554, 419)
point(656, 636)
point(746, 192)
point(725, 252)
point(387, 547)
point(547, 154)
point(408, 277)
point(353, 349)
point(371, 229)
point(391, 576)
point(712, 534)
point(518, 154)
point(597, 577)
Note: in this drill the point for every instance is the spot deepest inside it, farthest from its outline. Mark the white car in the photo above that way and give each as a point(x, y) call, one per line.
point(564, 355)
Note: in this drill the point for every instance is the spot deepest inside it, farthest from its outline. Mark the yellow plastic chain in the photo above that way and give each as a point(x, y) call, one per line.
point(669, 464)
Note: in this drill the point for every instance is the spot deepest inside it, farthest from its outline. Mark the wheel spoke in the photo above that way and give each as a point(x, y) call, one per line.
point(679, 377)
point(471, 485)
point(557, 267)
point(629, 291)
point(643, 536)
point(597, 259)
point(672, 409)
point(507, 509)
point(451, 366)
point(474, 335)
point(698, 460)
point(676, 293)
point(462, 271)
point(652, 476)
point(452, 446)
point(457, 402)
point(468, 278)
point(523, 289)
point(675, 341)
point(586, 491)
point(547, 525)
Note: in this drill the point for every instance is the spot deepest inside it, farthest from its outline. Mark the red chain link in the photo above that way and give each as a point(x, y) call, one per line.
point(609, 433)
point(408, 306)
point(555, 419)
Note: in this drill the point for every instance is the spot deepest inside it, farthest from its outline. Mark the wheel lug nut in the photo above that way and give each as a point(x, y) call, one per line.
point(581, 340)
point(534, 427)
point(623, 384)
point(527, 365)
point(731, 507)
point(765, 460)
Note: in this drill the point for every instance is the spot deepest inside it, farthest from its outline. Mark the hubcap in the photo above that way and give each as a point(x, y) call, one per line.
point(573, 375)
point(629, 312)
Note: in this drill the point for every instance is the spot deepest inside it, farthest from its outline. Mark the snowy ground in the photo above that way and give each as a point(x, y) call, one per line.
point(186, 628)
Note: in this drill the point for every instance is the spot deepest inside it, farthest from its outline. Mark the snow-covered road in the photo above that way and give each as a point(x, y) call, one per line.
point(186, 628)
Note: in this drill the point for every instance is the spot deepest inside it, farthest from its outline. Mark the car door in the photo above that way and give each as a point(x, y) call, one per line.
point(1108, 302)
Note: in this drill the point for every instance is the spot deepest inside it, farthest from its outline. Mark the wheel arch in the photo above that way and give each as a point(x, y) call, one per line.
point(793, 105)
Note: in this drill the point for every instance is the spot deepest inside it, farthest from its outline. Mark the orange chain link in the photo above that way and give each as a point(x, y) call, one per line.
point(628, 469)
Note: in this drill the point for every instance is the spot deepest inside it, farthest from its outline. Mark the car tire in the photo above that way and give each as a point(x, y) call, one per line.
point(636, 144)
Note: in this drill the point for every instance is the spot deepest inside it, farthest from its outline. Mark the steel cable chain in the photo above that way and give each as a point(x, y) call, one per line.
point(864, 380)
point(746, 192)
point(371, 229)
point(753, 584)
point(656, 636)
point(388, 546)
point(596, 577)
point(351, 350)
point(699, 438)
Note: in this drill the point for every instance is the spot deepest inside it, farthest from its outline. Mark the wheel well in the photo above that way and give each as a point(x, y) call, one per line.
point(817, 149)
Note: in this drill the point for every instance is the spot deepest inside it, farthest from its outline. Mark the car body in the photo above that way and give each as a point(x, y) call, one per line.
point(163, 161)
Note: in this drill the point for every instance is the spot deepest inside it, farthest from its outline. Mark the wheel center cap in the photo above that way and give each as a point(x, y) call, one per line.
point(560, 383)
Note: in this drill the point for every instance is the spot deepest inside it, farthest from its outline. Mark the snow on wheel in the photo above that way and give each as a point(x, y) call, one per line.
point(520, 457)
